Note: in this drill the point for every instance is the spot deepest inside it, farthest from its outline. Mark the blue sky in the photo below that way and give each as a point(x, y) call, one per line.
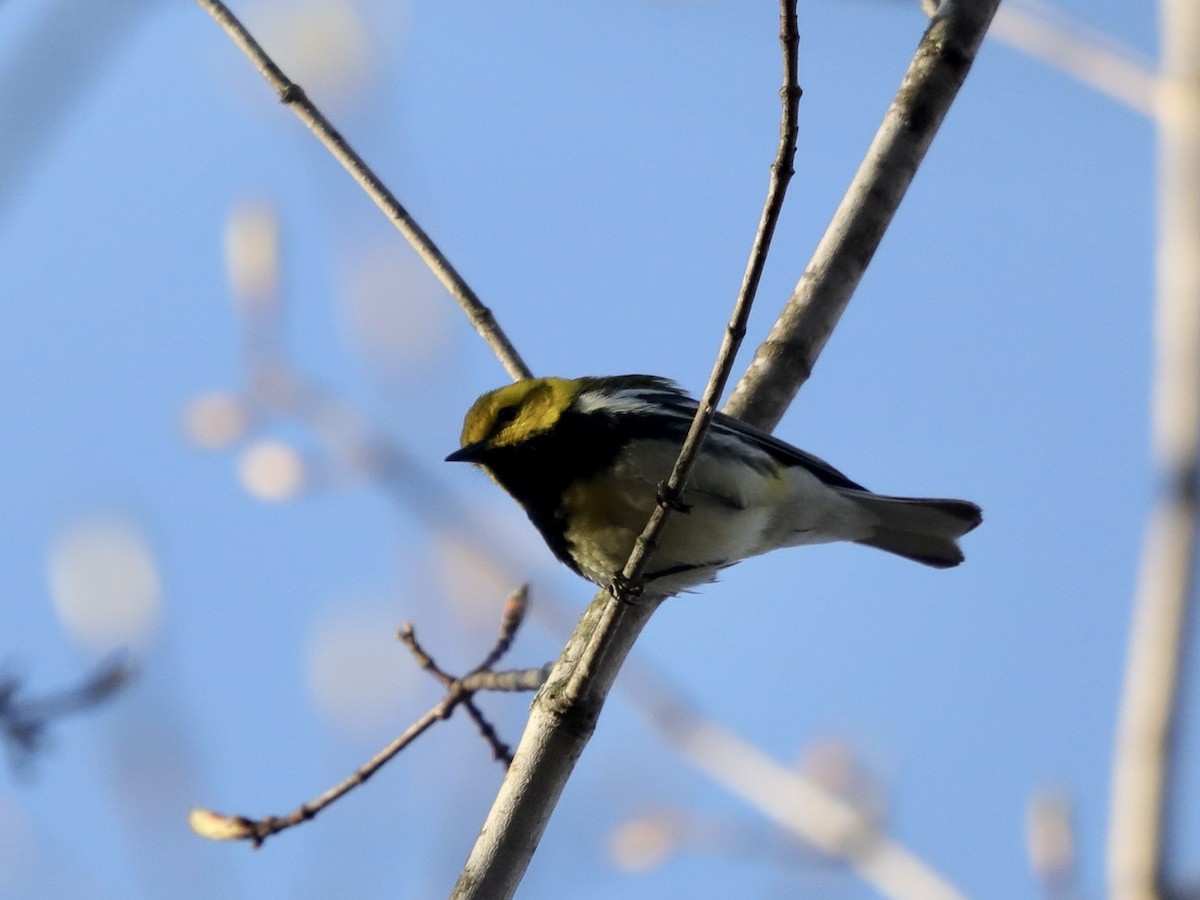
point(596, 172)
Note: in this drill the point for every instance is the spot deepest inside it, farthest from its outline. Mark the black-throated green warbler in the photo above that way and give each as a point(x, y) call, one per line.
point(585, 457)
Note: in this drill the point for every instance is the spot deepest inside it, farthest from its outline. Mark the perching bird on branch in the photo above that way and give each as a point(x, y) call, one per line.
point(585, 458)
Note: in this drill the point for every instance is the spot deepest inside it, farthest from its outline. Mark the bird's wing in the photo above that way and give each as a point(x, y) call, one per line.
point(782, 451)
point(660, 398)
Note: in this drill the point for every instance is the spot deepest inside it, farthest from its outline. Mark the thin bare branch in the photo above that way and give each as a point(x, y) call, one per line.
point(408, 637)
point(785, 360)
point(1090, 57)
point(293, 96)
point(510, 680)
point(565, 711)
point(671, 494)
point(509, 621)
point(501, 752)
point(223, 827)
point(1143, 758)
point(511, 617)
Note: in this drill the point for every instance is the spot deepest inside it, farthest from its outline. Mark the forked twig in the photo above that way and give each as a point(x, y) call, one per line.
point(482, 677)
point(293, 96)
point(459, 691)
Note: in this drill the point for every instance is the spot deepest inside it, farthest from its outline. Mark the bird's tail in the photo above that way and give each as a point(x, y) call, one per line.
point(923, 530)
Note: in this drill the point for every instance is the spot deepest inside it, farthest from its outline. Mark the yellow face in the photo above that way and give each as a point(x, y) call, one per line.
point(517, 412)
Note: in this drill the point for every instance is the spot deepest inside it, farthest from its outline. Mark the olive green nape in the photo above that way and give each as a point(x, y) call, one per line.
point(538, 401)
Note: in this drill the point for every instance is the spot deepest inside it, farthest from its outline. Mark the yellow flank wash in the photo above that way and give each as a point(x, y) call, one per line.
point(605, 515)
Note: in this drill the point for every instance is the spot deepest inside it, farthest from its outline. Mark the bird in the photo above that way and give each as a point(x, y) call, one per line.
point(585, 457)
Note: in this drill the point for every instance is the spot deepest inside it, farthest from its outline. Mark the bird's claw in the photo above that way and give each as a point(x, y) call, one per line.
point(625, 591)
point(672, 499)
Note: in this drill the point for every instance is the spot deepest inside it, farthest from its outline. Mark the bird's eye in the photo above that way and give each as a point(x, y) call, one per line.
point(504, 415)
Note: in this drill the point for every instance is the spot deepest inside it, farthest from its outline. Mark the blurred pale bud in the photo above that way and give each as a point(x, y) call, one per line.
point(215, 420)
point(219, 827)
point(395, 309)
point(271, 470)
point(833, 765)
point(830, 763)
point(472, 581)
point(323, 45)
point(252, 257)
point(358, 673)
point(105, 584)
point(643, 844)
point(1050, 835)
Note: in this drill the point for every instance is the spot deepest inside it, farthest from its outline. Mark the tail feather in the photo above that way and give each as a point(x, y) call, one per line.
point(924, 530)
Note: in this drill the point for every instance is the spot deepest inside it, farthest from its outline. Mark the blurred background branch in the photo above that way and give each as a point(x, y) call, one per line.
point(840, 829)
point(1145, 759)
point(26, 720)
point(1145, 752)
point(63, 54)
point(1089, 55)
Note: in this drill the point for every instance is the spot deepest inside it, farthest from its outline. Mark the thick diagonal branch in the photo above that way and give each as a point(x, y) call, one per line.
point(785, 360)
